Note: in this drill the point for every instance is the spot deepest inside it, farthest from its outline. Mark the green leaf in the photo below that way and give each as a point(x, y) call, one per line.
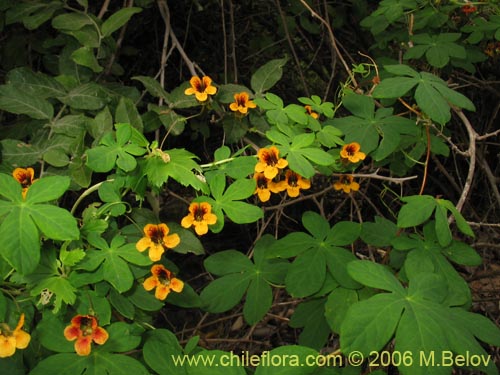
point(267, 75)
point(381, 314)
point(21, 242)
point(258, 301)
point(54, 222)
point(117, 273)
point(417, 210)
point(85, 56)
point(242, 213)
point(375, 276)
point(337, 304)
point(443, 231)
point(153, 87)
point(160, 350)
point(306, 275)
point(224, 293)
point(378, 233)
point(461, 253)
point(394, 87)
point(118, 19)
point(11, 189)
point(180, 167)
point(226, 262)
point(432, 103)
point(71, 21)
point(344, 233)
point(47, 189)
point(309, 315)
point(14, 100)
point(35, 83)
point(123, 337)
point(359, 105)
point(89, 96)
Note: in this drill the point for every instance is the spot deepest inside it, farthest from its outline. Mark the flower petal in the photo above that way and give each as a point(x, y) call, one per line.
point(100, 335)
point(187, 221)
point(155, 252)
point(176, 285)
point(22, 339)
point(7, 346)
point(200, 227)
point(210, 218)
point(82, 345)
point(150, 283)
point(72, 332)
point(162, 292)
point(143, 244)
point(172, 240)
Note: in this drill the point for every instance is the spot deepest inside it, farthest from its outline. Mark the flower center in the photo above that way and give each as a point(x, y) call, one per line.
point(86, 326)
point(25, 181)
point(164, 277)
point(200, 86)
point(199, 212)
point(270, 158)
point(241, 101)
point(351, 150)
point(261, 182)
point(293, 178)
point(157, 235)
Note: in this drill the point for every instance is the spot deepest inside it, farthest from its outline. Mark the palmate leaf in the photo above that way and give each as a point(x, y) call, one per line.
point(417, 320)
point(179, 166)
point(240, 276)
point(25, 219)
point(316, 254)
point(310, 316)
point(432, 94)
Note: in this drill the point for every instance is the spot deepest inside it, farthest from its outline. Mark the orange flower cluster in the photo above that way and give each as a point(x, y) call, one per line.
point(268, 168)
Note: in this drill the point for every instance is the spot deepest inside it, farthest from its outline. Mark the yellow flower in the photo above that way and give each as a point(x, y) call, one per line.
point(26, 177)
point(201, 88)
point(310, 112)
point(163, 281)
point(264, 187)
point(346, 183)
point(201, 216)
point(292, 183)
point(241, 103)
point(269, 162)
point(156, 238)
point(12, 340)
point(351, 152)
point(85, 330)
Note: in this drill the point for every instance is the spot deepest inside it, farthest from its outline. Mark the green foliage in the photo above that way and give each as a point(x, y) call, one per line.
point(116, 147)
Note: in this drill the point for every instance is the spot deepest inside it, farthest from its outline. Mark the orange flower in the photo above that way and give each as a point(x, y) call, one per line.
point(351, 152)
point(85, 329)
point(292, 183)
point(346, 183)
point(264, 187)
point(26, 177)
point(163, 281)
point(156, 238)
point(468, 9)
point(241, 103)
point(310, 111)
point(201, 216)
point(12, 340)
point(269, 162)
point(201, 88)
